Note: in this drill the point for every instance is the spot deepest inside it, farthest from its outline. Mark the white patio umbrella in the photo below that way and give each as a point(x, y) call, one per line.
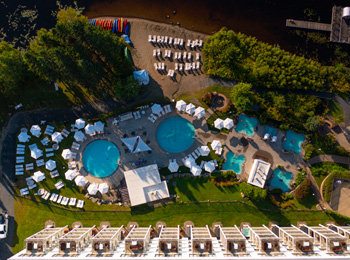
point(92, 189)
point(67, 154)
point(218, 123)
point(199, 112)
point(99, 126)
point(196, 170)
point(70, 175)
point(209, 166)
point(23, 137)
point(50, 165)
point(38, 176)
point(204, 150)
point(180, 105)
point(103, 188)
point(35, 130)
point(228, 123)
point(80, 181)
point(156, 108)
point(216, 145)
point(79, 123)
point(57, 137)
point(190, 108)
point(89, 129)
point(36, 153)
point(173, 167)
point(79, 136)
point(190, 162)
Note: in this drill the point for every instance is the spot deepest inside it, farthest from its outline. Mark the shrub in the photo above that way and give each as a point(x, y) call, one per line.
point(309, 149)
point(300, 177)
point(341, 151)
point(224, 179)
point(262, 119)
point(252, 192)
point(303, 189)
point(287, 196)
point(274, 200)
point(329, 140)
point(284, 127)
point(312, 123)
point(287, 204)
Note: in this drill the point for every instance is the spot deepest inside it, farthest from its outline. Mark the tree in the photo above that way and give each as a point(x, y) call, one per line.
point(303, 189)
point(312, 124)
point(242, 96)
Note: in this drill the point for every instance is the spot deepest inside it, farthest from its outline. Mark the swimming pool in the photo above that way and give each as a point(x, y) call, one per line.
point(281, 179)
point(175, 135)
point(233, 162)
point(293, 141)
point(246, 125)
point(101, 158)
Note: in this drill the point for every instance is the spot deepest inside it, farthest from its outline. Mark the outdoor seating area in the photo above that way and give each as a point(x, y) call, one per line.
point(137, 240)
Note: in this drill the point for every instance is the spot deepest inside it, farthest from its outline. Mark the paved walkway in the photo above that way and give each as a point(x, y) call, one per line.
point(329, 158)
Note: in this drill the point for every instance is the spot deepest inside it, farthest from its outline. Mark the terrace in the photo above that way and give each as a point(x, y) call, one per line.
point(232, 239)
point(342, 230)
point(201, 240)
point(107, 240)
point(137, 240)
point(295, 239)
point(76, 240)
point(264, 239)
point(169, 240)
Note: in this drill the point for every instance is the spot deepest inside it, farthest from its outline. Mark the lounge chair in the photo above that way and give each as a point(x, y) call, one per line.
point(184, 55)
point(169, 108)
point(154, 53)
point(48, 150)
point(197, 56)
point(188, 43)
point(194, 155)
point(198, 65)
point(72, 201)
point(218, 152)
point(59, 199)
point(40, 162)
point(150, 38)
point(180, 67)
point(161, 39)
point(202, 164)
point(80, 204)
point(50, 154)
point(19, 172)
point(59, 185)
point(151, 119)
point(32, 186)
point(273, 139)
point(65, 133)
point(215, 163)
point(197, 152)
point(21, 146)
point(20, 152)
point(166, 39)
point(24, 191)
point(181, 43)
point(170, 40)
point(176, 66)
point(64, 201)
point(54, 174)
point(46, 195)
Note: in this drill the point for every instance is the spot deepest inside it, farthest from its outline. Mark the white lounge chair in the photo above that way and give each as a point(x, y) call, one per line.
point(166, 39)
point(154, 53)
point(189, 56)
point(184, 55)
point(150, 38)
point(197, 56)
point(170, 40)
point(188, 43)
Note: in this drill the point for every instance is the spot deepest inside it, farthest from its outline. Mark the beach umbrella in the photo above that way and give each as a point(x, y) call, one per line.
point(35, 130)
point(228, 123)
point(190, 108)
point(38, 176)
point(173, 167)
point(56, 137)
point(181, 105)
point(141, 76)
point(67, 154)
point(36, 153)
point(89, 129)
point(196, 170)
point(99, 126)
point(70, 175)
point(23, 137)
point(216, 145)
point(218, 123)
point(204, 150)
point(50, 165)
point(80, 181)
point(190, 162)
point(156, 109)
point(209, 166)
point(79, 136)
point(92, 189)
point(79, 123)
point(199, 112)
point(103, 188)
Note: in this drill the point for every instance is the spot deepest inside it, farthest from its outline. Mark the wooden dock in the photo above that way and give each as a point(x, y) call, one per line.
point(308, 25)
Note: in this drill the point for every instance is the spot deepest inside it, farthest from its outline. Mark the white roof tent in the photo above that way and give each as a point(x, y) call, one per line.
point(169, 240)
point(264, 239)
point(76, 240)
point(326, 238)
point(137, 240)
point(144, 185)
point(232, 239)
point(106, 240)
point(342, 230)
point(295, 239)
point(259, 172)
point(44, 241)
point(201, 240)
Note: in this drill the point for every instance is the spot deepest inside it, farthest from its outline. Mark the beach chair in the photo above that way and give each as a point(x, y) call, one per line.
point(189, 56)
point(48, 150)
point(158, 52)
point(175, 41)
point(193, 65)
point(179, 55)
point(54, 174)
point(169, 108)
point(150, 38)
point(52, 196)
point(20, 152)
point(59, 199)
point(193, 45)
point(198, 65)
point(72, 201)
point(202, 164)
point(24, 191)
point(169, 73)
point(176, 66)
point(59, 185)
point(197, 56)
point(166, 39)
point(180, 67)
point(218, 152)
point(154, 53)
point(163, 66)
point(46, 196)
point(200, 43)
point(154, 38)
point(49, 154)
point(74, 155)
point(188, 43)
point(175, 56)
point(80, 204)
point(169, 54)
point(184, 55)
point(32, 186)
point(171, 40)
point(64, 201)
point(158, 39)
point(161, 39)
point(194, 155)
point(159, 66)
point(197, 152)
point(181, 42)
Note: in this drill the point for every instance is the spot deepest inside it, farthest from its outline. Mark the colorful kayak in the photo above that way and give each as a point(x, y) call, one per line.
point(125, 24)
point(127, 29)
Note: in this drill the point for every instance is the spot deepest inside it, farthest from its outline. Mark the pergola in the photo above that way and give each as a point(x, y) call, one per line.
point(76, 240)
point(169, 240)
point(137, 240)
point(232, 239)
point(106, 240)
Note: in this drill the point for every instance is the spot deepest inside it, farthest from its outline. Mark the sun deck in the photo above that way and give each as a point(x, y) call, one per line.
point(137, 240)
point(264, 239)
point(295, 239)
point(169, 240)
point(107, 240)
point(76, 240)
point(232, 239)
point(201, 240)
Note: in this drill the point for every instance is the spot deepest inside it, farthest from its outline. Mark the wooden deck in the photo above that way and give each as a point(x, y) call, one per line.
point(308, 25)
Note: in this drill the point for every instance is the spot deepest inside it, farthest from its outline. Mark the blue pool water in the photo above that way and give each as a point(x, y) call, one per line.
point(246, 125)
point(270, 130)
point(293, 141)
point(101, 158)
point(175, 135)
point(234, 162)
point(281, 179)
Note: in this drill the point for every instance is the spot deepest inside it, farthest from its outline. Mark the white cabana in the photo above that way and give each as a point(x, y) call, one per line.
point(38, 176)
point(156, 109)
point(80, 123)
point(70, 175)
point(204, 150)
point(228, 123)
point(36, 153)
point(67, 154)
point(141, 146)
point(50, 165)
point(258, 173)
point(92, 189)
point(35, 130)
point(190, 162)
point(99, 126)
point(79, 136)
point(23, 137)
point(181, 105)
point(216, 145)
point(80, 181)
point(57, 137)
point(196, 170)
point(89, 129)
point(103, 188)
point(190, 108)
point(173, 166)
point(129, 142)
point(209, 166)
point(218, 123)
point(199, 112)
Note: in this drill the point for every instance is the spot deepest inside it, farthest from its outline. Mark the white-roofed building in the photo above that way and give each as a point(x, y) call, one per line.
point(259, 172)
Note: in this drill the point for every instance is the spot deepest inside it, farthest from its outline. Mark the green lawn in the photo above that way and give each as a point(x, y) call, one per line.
point(321, 170)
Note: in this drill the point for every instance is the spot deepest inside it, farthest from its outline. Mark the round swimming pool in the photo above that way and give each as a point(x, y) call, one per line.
point(101, 158)
point(175, 135)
